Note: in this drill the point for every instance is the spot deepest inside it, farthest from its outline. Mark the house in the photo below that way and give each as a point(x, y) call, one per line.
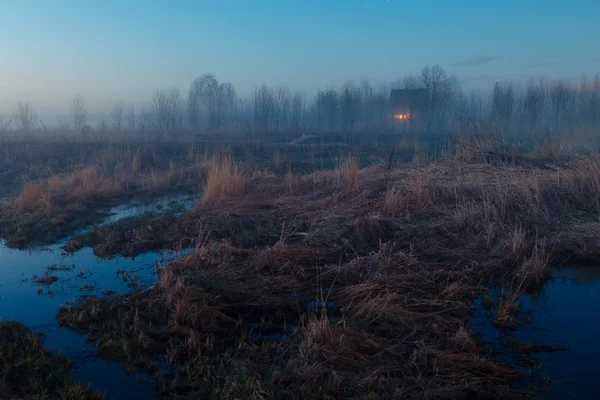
point(406, 104)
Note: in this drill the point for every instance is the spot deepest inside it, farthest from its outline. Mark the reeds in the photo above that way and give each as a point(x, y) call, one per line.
point(224, 179)
point(33, 200)
point(347, 172)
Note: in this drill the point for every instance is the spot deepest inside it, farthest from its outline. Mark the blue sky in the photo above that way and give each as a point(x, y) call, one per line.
point(111, 50)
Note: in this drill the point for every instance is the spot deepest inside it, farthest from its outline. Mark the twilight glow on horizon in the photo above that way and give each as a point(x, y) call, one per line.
point(124, 50)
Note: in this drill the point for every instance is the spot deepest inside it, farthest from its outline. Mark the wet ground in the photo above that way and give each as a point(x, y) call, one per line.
point(35, 282)
point(563, 313)
point(31, 294)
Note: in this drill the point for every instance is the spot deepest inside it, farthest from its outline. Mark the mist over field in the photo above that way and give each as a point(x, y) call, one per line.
point(299, 199)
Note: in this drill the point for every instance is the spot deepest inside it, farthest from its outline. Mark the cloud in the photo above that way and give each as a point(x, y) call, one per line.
point(543, 64)
point(477, 60)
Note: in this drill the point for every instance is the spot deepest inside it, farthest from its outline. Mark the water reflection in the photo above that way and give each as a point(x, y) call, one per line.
point(81, 273)
point(564, 313)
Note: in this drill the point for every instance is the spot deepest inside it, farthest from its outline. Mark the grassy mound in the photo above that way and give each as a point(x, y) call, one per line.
point(30, 371)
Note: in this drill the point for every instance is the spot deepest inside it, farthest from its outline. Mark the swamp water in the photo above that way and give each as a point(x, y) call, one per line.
point(35, 304)
point(564, 313)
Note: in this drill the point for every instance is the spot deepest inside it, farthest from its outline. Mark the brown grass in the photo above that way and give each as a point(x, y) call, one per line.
point(378, 282)
point(33, 200)
point(347, 172)
point(224, 180)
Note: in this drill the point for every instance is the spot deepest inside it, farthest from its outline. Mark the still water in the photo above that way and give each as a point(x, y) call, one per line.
point(35, 305)
point(565, 312)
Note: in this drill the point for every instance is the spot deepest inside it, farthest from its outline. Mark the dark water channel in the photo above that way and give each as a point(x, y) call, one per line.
point(82, 273)
point(565, 313)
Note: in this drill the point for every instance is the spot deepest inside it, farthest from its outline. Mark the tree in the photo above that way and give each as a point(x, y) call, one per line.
point(441, 89)
point(367, 102)
point(264, 105)
point(379, 106)
point(589, 101)
point(350, 105)
point(534, 103)
point(117, 116)
point(145, 119)
point(562, 98)
point(79, 112)
point(217, 99)
point(103, 125)
point(166, 111)
point(327, 108)
point(25, 116)
point(131, 119)
point(4, 125)
point(296, 110)
point(281, 98)
point(503, 101)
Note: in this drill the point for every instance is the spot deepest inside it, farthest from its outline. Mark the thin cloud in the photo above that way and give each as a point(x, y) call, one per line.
point(473, 61)
point(544, 64)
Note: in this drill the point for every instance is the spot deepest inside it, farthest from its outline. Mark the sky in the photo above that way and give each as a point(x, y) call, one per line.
point(115, 50)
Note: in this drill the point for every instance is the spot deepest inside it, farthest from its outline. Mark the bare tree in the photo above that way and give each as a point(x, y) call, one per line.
point(367, 102)
point(130, 118)
point(25, 116)
point(350, 105)
point(562, 97)
point(296, 110)
point(117, 116)
point(503, 101)
point(166, 111)
point(281, 97)
point(103, 125)
point(533, 104)
point(79, 112)
point(145, 119)
point(589, 101)
point(264, 107)
point(218, 99)
point(441, 89)
point(4, 125)
point(379, 106)
point(327, 105)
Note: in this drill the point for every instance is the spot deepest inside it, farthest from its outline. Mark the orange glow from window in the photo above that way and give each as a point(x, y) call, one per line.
point(402, 116)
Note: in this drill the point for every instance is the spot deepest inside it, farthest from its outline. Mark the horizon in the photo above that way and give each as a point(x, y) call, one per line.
point(114, 52)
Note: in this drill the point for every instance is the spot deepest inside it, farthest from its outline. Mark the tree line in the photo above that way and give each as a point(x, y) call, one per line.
point(214, 106)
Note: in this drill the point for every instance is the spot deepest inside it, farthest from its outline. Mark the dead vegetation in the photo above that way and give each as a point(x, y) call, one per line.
point(224, 179)
point(347, 283)
point(30, 371)
point(47, 209)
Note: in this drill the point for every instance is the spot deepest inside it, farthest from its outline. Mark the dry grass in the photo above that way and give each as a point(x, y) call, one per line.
point(33, 200)
point(369, 289)
point(91, 184)
point(347, 172)
point(224, 180)
point(28, 370)
point(49, 208)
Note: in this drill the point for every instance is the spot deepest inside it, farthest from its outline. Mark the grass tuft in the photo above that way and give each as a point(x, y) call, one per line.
point(224, 180)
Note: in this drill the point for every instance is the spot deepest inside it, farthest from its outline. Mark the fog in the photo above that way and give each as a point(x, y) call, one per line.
point(299, 199)
point(208, 105)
